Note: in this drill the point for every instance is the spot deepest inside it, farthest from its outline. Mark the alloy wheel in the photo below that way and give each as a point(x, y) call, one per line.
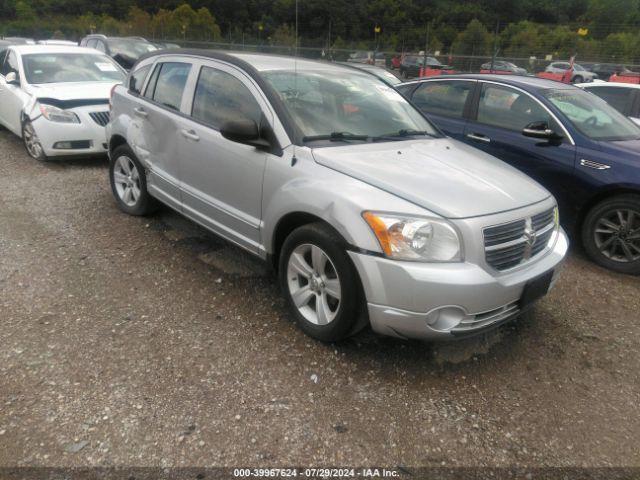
point(127, 180)
point(617, 235)
point(314, 284)
point(31, 141)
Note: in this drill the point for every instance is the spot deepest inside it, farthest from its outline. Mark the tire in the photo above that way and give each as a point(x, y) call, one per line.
point(31, 142)
point(130, 187)
point(577, 79)
point(302, 276)
point(611, 234)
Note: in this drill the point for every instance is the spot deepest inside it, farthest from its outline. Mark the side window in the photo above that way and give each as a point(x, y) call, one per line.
point(510, 109)
point(169, 84)
point(100, 46)
point(221, 97)
point(446, 98)
point(3, 54)
point(136, 81)
point(618, 97)
point(10, 63)
point(91, 43)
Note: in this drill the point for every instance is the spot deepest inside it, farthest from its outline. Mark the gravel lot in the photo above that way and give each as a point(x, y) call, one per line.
point(146, 341)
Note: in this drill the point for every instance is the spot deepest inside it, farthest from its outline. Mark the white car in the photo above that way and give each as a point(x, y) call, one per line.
point(53, 41)
point(624, 97)
point(56, 98)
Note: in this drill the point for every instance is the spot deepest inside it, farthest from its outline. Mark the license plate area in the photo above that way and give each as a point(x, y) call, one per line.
point(535, 289)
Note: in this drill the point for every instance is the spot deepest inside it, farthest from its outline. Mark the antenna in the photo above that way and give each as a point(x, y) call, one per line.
point(294, 160)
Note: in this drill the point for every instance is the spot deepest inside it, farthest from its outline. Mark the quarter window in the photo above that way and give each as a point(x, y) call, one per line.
point(221, 97)
point(168, 84)
point(510, 109)
point(10, 64)
point(446, 98)
point(137, 79)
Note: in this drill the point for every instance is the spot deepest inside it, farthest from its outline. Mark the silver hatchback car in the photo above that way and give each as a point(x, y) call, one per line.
point(367, 212)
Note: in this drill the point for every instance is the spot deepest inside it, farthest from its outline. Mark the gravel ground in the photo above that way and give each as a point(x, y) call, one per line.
point(148, 342)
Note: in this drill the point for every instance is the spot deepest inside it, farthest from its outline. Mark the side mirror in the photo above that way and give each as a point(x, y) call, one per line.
point(244, 131)
point(12, 79)
point(540, 130)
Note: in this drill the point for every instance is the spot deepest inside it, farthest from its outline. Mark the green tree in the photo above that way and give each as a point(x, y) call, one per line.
point(474, 40)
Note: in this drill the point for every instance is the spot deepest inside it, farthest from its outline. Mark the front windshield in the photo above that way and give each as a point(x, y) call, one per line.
point(592, 116)
point(322, 103)
point(70, 67)
point(130, 47)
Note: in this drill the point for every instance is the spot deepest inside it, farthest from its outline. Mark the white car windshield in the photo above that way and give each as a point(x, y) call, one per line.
point(347, 105)
point(70, 67)
point(592, 116)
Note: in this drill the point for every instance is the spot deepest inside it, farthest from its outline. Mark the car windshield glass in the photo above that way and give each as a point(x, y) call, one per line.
point(130, 47)
point(578, 68)
point(70, 67)
point(355, 103)
point(592, 116)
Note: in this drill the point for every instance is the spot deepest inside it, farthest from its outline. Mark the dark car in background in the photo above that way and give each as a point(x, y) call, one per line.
point(124, 50)
point(502, 66)
point(411, 64)
point(605, 70)
point(575, 144)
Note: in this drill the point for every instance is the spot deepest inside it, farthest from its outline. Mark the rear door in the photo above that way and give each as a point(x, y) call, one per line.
point(222, 179)
point(157, 121)
point(499, 115)
point(446, 103)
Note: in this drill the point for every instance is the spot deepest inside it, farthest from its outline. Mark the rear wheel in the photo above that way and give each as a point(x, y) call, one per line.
point(578, 79)
point(321, 284)
point(611, 234)
point(129, 183)
point(32, 142)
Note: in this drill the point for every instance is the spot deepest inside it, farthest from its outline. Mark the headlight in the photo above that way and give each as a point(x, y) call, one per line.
point(55, 114)
point(414, 238)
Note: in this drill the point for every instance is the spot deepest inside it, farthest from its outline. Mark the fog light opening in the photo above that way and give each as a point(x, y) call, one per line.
point(445, 318)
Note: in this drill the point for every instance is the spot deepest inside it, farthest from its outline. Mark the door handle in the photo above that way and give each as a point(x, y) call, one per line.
point(141, 112)
point(479, 137)
point(191, 135)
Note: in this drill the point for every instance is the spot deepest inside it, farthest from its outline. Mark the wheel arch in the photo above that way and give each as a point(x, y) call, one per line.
point(115, 141)
point(600, 196)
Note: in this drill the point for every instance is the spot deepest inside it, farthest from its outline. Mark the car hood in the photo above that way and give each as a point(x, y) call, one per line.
point(442, 175)
point(74, 90)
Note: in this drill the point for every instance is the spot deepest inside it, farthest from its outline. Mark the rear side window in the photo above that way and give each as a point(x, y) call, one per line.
point(510, 109)
point(446, 98)
point(136, 81)
point(10, 64)
point(619, 98)
point(167, 84)
point(221, 97)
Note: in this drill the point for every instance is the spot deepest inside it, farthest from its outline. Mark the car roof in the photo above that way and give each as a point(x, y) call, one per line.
point(608, 84)
point(258, 61)
point(27, 49)
point(521, 81)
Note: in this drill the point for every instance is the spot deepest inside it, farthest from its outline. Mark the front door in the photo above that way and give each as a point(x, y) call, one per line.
point(496, 128)
point(12, 97)
point(221, 179)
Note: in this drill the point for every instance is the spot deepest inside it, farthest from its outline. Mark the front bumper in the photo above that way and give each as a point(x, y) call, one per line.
point(400, 295)
point(87, 131)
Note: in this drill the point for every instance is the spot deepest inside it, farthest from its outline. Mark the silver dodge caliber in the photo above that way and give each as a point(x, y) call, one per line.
point(368, 213)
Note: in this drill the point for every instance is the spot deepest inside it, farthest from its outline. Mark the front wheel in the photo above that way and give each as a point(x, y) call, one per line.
point(321, 284)
point(578, 79)
point(32, 142)
point(611, 234)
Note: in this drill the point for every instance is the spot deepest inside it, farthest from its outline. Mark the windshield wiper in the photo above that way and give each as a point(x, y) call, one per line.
point(402, 134)
point(335, 137)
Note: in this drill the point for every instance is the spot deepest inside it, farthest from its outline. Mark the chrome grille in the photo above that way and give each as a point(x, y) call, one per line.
point(513, 243)
point(101, 118)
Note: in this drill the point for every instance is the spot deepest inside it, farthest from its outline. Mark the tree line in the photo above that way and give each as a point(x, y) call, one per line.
point(594, 29)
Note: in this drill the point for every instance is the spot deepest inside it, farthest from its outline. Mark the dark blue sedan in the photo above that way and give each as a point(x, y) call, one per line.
point(583, 150)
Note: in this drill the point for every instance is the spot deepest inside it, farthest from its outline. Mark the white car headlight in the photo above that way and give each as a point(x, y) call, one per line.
point(415, 238)
point(55, 114)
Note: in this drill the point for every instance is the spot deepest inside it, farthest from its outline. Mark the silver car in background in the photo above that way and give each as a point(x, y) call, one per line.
point(368, 213)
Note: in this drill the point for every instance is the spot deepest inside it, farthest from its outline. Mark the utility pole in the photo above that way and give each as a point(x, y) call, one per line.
point(495, 46)
point(426, 50)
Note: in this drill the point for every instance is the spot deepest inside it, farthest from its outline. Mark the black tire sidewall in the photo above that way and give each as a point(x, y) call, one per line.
point(631, 202)
point(146, 204)
point(351, 307)
point(42, 157)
